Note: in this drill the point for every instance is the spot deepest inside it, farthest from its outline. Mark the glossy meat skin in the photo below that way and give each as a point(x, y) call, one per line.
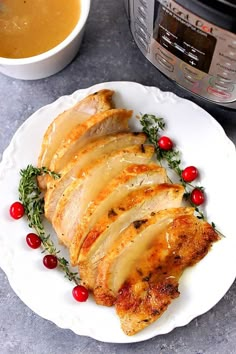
point(133, 177)
point(153, 283)
point(84, 157)
point(100, 124)
point(107, 230)
point(82, 191)
point(97, 102)
point(133, 242)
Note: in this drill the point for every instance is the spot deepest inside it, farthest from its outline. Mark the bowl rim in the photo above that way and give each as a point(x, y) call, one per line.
point(84, 8)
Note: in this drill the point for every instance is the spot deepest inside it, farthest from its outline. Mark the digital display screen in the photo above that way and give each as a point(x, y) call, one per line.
point(185, 41)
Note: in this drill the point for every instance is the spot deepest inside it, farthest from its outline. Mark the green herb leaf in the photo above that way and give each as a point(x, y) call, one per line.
point(151, 125)
point(31, 197)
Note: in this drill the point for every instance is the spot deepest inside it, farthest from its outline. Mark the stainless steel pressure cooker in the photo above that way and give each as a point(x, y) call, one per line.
point(193, 42)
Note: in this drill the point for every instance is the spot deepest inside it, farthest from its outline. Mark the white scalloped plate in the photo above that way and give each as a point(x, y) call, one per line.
point(202, 142)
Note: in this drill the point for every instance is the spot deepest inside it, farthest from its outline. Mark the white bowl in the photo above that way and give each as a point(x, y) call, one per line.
point(52, 61)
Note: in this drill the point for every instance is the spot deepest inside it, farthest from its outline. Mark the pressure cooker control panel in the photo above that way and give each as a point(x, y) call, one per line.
point(195, 53)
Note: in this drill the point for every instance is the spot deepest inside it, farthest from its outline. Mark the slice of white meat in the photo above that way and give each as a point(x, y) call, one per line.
point(85, 156)
point(81, 192)
point(131, 178)
point(100, 124)
point(124, 253)
point(135, 206)
point(153, 282)
point(97, 102)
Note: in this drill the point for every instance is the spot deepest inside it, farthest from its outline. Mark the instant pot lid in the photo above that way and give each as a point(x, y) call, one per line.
point(221, 13)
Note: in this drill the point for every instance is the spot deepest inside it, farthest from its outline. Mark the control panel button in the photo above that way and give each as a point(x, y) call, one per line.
point(164, 63)
point(190, 79)
point(218, 93)
point(141, 31)
point(188, 70)
point(232, 44)
point(228, 65)
point(232, 54)
point(228, 88)
point(141, 42)
point(227, 69)
point(166, 55)
point(224, 76)
point(143, 2)
point(142, 21)
point(219, 84)
point(142, 11)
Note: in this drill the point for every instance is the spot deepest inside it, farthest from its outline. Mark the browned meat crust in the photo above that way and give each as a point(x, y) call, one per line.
point(153, 284)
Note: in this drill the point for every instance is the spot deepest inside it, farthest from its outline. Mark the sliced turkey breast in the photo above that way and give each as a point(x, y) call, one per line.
point(125, 252)
point(153, 280)
point(131, 178)
point(135, 206)
point(97, 102)
point(85, 156)
point(100, 124)
point(80, 193)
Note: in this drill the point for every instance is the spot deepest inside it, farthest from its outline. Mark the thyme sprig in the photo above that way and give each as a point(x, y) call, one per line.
point(152, 126)
point(32, 198)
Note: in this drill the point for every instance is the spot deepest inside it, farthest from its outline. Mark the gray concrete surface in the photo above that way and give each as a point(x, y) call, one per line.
point(108, 53)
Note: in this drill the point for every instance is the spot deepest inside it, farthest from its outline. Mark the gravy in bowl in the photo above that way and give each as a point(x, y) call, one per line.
point(32, 27)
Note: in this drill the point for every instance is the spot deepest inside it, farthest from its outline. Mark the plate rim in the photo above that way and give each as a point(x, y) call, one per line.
point(72, 98)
